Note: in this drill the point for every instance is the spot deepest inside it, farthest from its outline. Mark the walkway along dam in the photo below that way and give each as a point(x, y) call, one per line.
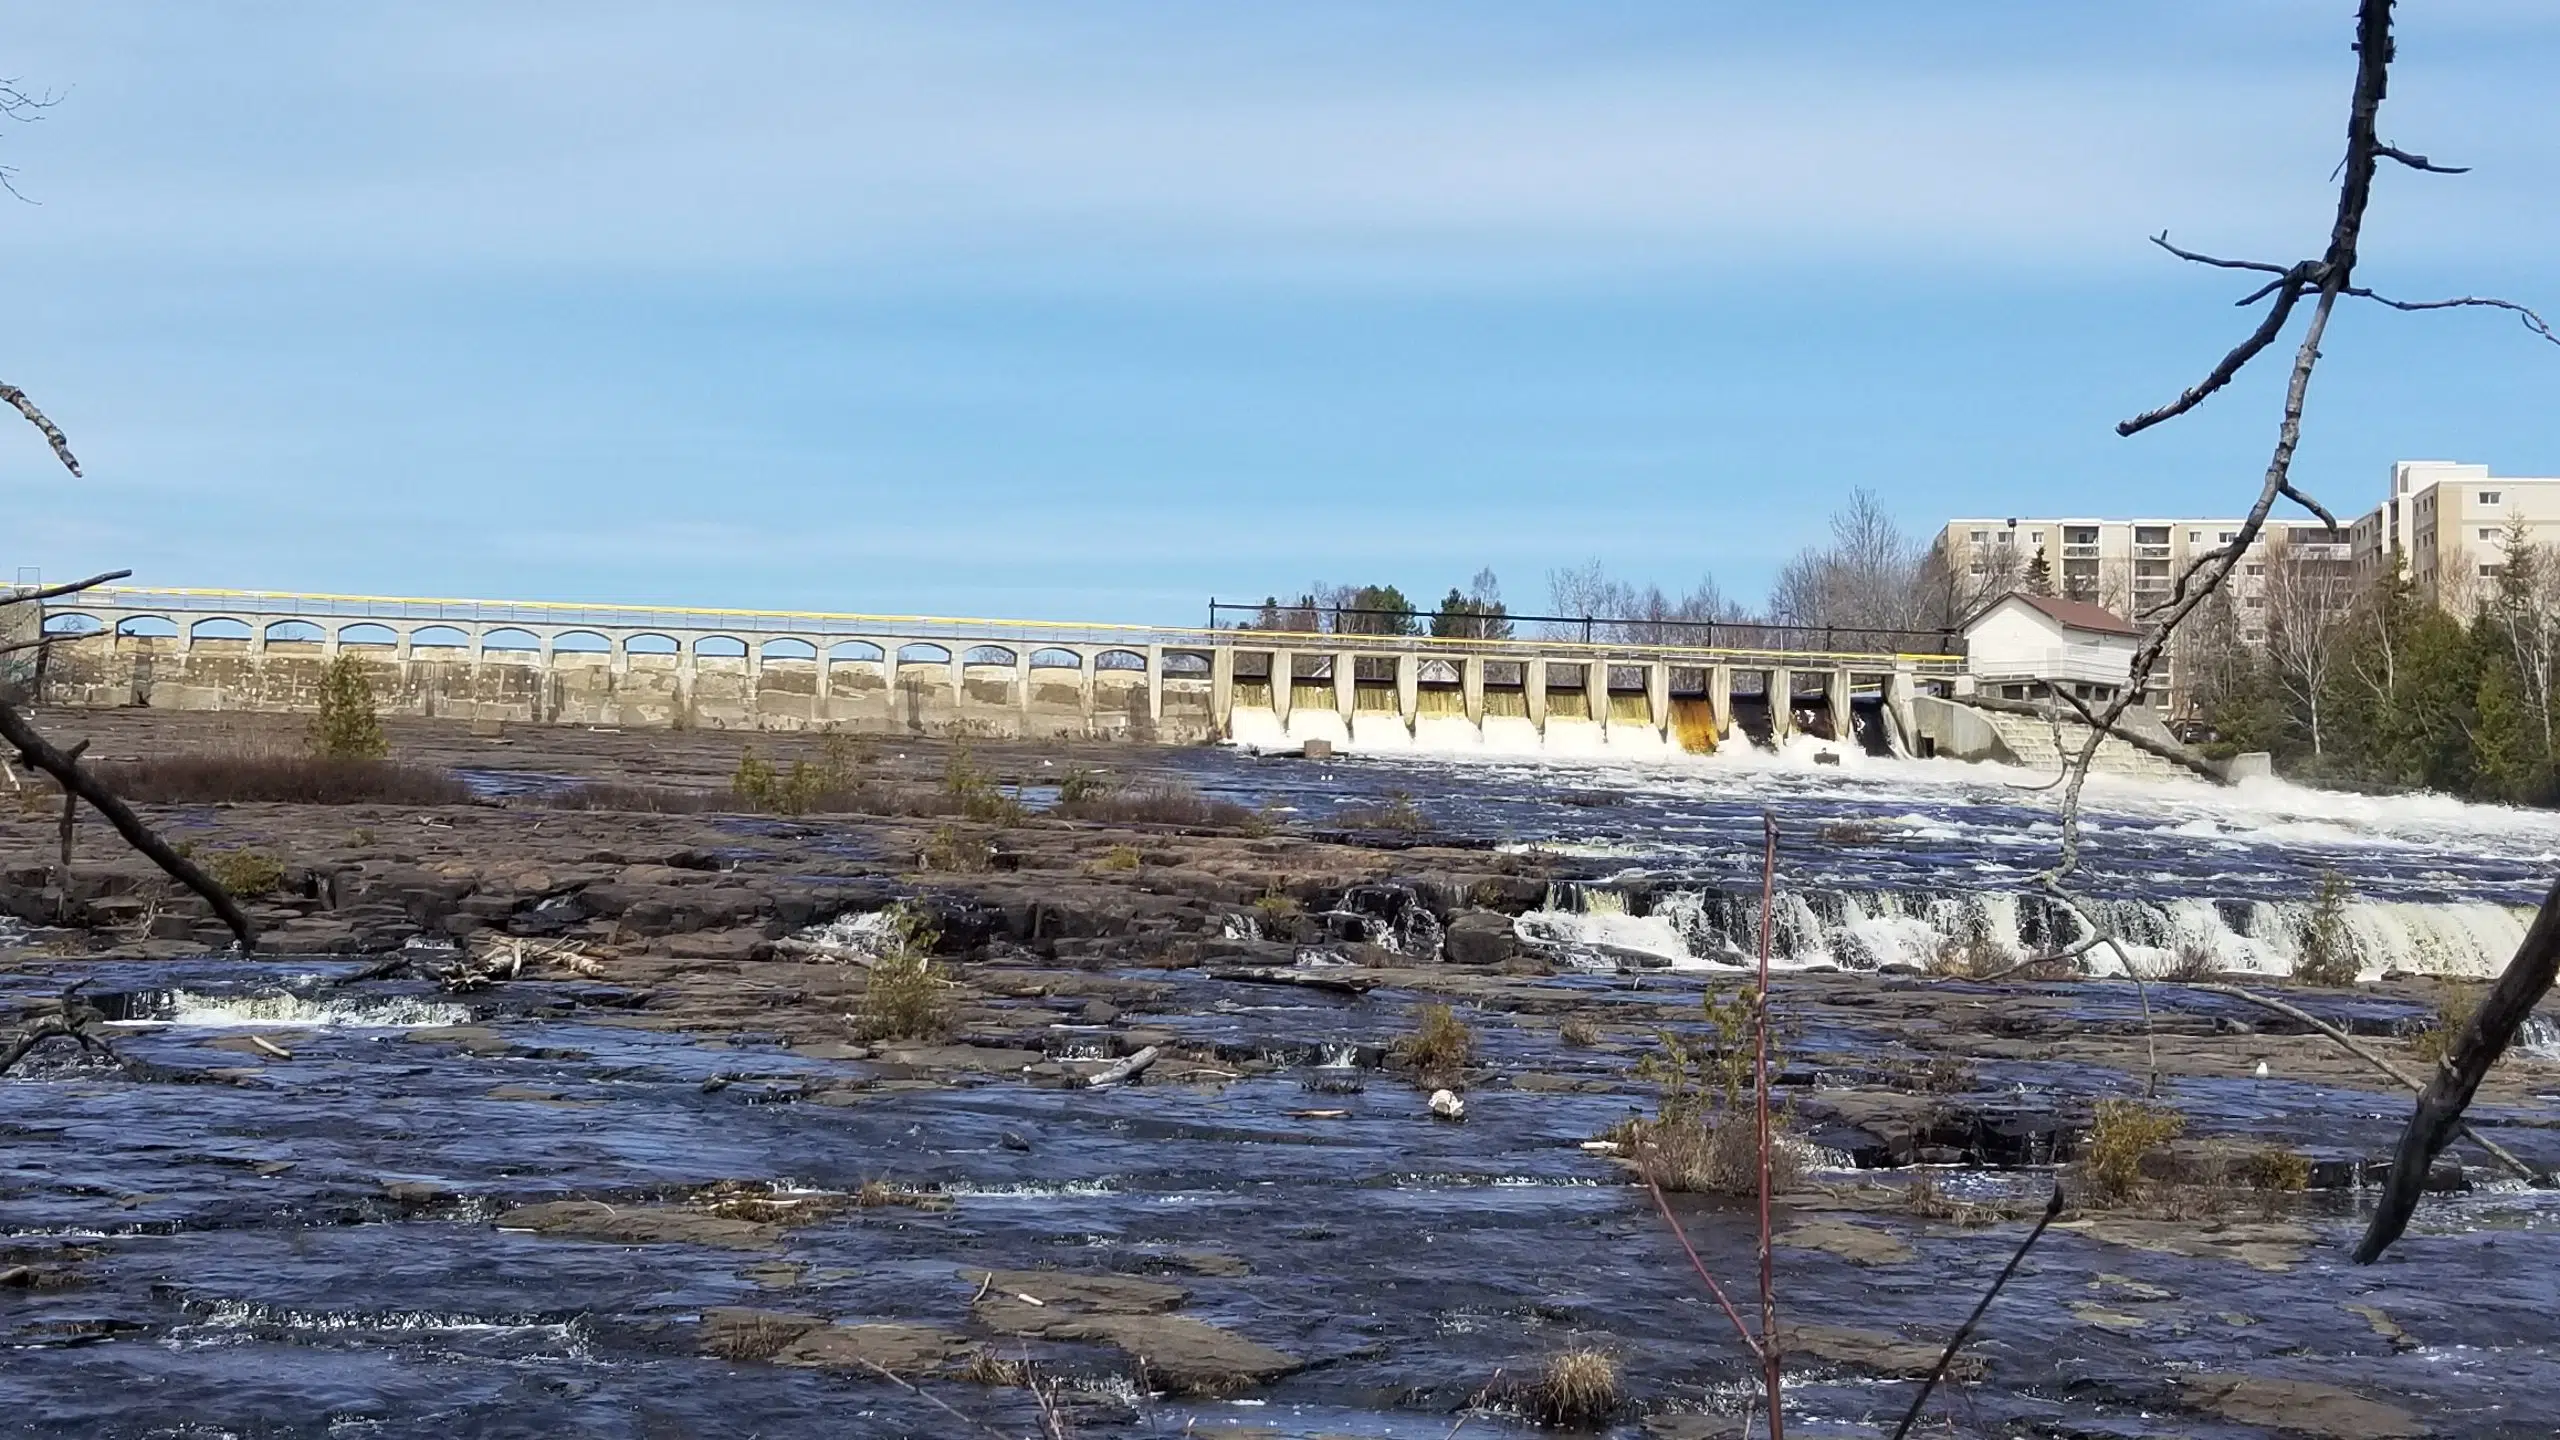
point(533, 662)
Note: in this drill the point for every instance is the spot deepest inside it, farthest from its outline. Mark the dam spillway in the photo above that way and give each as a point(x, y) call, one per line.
point(537, 662)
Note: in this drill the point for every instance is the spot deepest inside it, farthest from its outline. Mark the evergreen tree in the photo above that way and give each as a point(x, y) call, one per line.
point(2039, 575)
point(347, 727)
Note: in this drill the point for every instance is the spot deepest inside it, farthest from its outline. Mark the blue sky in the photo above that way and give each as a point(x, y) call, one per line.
point(1093, 310)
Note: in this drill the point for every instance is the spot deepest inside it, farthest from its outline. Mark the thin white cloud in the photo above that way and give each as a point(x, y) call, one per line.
point(637, 139)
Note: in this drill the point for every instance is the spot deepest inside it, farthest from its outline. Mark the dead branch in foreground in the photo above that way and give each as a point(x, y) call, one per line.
point(2438, 1116)
point(70, 1020)
point(22, 736)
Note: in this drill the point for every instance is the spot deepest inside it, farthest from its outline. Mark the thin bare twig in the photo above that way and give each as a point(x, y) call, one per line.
point(1955, 1342)
point(2378, 1061)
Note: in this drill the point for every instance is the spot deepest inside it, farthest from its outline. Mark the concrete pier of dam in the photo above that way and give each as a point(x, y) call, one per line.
point(631, 666)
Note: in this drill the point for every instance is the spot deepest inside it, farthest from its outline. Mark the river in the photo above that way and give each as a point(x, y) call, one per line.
point(216, 1241)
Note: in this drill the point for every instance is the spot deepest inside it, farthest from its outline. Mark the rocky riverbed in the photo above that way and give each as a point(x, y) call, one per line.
point(647, 1174)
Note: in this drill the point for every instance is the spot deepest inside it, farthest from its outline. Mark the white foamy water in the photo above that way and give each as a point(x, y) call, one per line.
point(1688, 929)
point(190, 1009)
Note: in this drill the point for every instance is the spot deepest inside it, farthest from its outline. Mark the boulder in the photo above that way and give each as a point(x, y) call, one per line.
point(1481, 937)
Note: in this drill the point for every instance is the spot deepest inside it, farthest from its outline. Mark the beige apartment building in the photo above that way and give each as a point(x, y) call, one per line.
point(2450, 523)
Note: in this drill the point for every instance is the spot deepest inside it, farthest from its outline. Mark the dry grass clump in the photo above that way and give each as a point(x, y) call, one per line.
point(765, 1205)
point(994, 1371)
point(904, 999)
point(883, 1194)
point(2278, 1169)
point(1578, 1031)
point(1160, 803)
point(955, 853)
point(631, 799)
point(1439, 1049)
point(1849, 832)
point(751, 1336)
point(220, 779)
point(247, 874)
point(2123, 1135)
point(1120, 859)
point(1576, 1389)
point(1396, 813)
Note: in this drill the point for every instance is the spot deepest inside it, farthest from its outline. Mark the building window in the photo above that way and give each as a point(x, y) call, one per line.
point(2195, 537)
point(2488, 497)
point(2492, 572)
point(2255, 570)
point(2080, 535)
point(1980, 569)
point(2488, 533)
point(2008, 536)
point(2151, 535)
point(2257, 602)
point(2228, 536)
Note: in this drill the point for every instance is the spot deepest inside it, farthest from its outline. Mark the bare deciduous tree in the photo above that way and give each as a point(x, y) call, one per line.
point(2308, 603)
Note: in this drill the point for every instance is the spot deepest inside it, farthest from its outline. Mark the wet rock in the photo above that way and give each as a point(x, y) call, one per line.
point(1481, 937)
point(2091, 1313)
point(897, 1348)
point(2306, 1407)
point(1101, 1012)
point(2383, 1325)
point(2273, 1246)
point(1875, 1352)
point(731, 946)
point(640, 1225)
point(1858, 1244)
point(472, 1039)
point(774, 1274)
point(1693, 1427)
point(1188, 1355)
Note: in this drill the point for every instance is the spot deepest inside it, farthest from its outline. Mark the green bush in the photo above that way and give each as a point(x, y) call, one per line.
point(347, 727)
point(247, 874)
point(904, 999)
point(1704, 1135)
point(1440, 1047)
point(2327, 956)
point(2123, 1134)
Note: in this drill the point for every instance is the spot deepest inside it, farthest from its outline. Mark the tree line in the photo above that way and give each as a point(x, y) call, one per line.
point(1872, 586)
point(2369, 684)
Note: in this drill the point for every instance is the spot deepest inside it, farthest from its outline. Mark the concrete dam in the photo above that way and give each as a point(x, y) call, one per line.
point(547, 663)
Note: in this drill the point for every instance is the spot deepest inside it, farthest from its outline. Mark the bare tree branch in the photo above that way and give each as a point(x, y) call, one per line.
point(53, 435)
point(70, 1020)
point(74, 780)
point(2531, 321)
point(56, 592)
point(2418, 162)
point(2162, 240)
point(2288, 291)
point(2438, 1116)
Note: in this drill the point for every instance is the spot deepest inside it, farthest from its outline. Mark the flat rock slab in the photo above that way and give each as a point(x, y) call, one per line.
point(1129, 1314)
point(1858, 1244)
point(897, 1348)
point(2274, 1246)
point(1095, 1294)
point(2306, 1407)
point(640, 1225)
point(1874, 1351)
